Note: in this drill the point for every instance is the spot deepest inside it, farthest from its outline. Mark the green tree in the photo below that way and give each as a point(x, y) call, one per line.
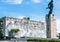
point(15, 30)
point(58, 35)
point(27, 18)
point(1, 27)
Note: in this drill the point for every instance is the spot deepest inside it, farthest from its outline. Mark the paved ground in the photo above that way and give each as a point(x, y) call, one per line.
point(15, 40)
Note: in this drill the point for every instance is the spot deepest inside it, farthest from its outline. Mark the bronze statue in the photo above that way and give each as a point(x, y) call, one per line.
point(50, 6)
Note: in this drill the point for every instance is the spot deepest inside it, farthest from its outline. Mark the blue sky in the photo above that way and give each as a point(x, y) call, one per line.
point(35, 9)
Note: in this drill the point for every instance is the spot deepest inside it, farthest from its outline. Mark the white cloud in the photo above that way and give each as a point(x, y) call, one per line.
point(13, 1)
point(21, 17)
point(36, 1)
point(20, 1)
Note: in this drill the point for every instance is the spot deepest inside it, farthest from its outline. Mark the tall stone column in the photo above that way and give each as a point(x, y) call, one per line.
point(51, 26)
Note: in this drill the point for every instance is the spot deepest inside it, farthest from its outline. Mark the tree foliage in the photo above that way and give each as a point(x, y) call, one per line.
point(1, 27)
point(27, 18)
point(58, 35)
point(15, 30)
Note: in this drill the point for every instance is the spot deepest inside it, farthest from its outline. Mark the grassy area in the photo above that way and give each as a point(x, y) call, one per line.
point(42, 40)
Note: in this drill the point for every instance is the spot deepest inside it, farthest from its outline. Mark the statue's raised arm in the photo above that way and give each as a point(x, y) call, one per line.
point(50, 6)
